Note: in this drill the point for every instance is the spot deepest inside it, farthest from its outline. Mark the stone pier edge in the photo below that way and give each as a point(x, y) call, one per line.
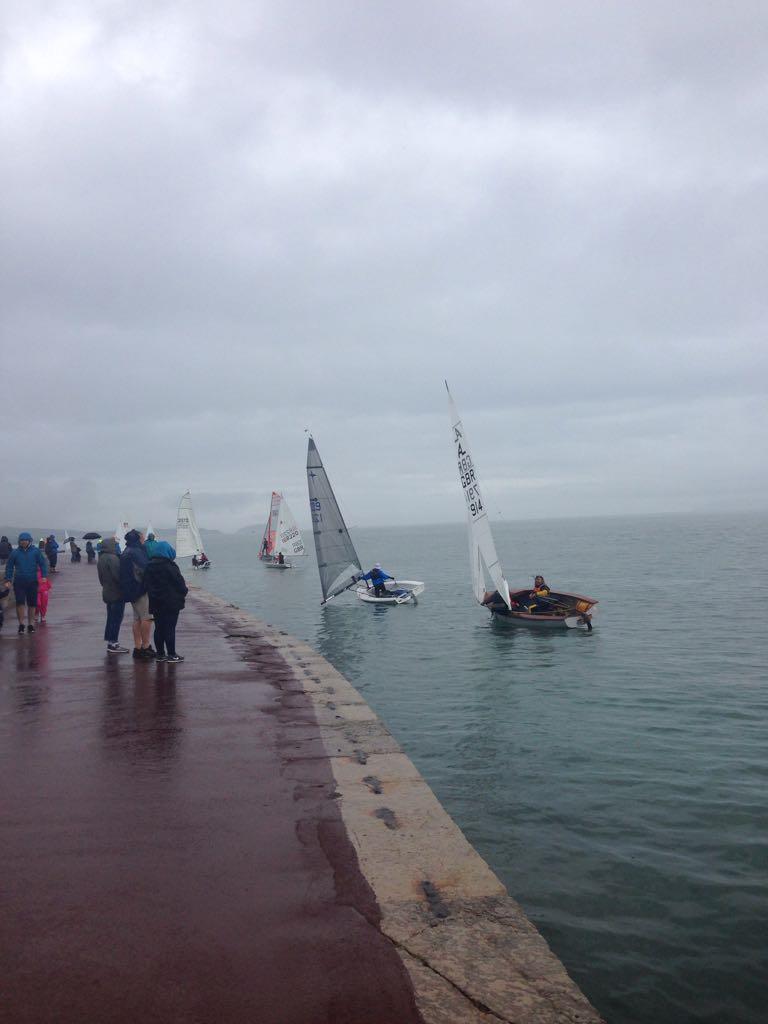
point(472, 954)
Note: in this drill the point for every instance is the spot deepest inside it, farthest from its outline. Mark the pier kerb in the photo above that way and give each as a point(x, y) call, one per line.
point(472, 954)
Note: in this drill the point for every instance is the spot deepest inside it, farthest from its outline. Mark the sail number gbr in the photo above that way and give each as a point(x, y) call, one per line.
point(468, 481)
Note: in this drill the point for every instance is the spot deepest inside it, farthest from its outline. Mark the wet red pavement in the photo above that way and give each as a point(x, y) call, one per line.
point(158, 861)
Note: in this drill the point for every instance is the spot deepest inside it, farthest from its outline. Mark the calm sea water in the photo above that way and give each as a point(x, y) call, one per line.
point(615, 781)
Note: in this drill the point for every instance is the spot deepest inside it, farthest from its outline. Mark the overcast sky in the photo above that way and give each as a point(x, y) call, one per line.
point(223, 223)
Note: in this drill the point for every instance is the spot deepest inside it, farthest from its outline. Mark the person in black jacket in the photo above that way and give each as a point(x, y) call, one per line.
point(5, 549)
point(166, 589)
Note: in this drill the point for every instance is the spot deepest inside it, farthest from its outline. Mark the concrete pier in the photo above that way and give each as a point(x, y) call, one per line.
point(234, 838)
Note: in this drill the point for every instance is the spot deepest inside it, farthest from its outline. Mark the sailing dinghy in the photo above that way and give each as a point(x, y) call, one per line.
point(337, 561)
point(122, 528)
point(188, 539)
point(281, 535)
point(564, 611)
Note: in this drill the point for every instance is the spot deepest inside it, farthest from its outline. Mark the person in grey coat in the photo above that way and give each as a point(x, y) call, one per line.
point(108, 568)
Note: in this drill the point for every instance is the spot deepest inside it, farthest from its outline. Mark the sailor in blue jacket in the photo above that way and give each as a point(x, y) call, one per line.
point(22, 568)
point(378, 577)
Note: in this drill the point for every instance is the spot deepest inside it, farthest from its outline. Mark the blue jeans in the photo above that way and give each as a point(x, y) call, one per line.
point(115, 611)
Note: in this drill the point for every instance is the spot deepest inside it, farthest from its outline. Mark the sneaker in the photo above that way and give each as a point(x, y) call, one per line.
point(160, 657)
point(148, 653)
point(21, 629)
point(137, 653)
point(30, 629)
point(173, 658)
point(116, 649)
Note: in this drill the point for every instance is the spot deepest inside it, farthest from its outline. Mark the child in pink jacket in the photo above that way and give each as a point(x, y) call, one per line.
point(43, 587)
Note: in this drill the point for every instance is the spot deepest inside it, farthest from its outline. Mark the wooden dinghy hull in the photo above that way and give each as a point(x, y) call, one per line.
point(569, 611)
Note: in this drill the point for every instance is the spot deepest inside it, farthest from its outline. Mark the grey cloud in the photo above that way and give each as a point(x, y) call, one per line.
point(224, 224)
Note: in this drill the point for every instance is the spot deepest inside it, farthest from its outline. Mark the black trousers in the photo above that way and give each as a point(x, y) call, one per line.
point(165, 631)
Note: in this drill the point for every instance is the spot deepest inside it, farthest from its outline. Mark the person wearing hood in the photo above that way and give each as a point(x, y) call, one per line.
point(5, 549)
point(378, 578)
point(108, 568)
point(166, 589)
point(21, 568)
point(52, 551)
point(90, 552)
point(133, 562)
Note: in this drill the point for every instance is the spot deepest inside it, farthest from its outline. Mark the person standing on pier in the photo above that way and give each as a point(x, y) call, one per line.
point(166, 589)
point(52, 551)
point(22, 568)
point(5, 549)
point(108, 568)
point(133, 563)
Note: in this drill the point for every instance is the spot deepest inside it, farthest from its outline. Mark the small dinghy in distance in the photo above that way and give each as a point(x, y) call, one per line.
point(281, 536)
point(188, 539)
point(567, 611)
point(337, 560)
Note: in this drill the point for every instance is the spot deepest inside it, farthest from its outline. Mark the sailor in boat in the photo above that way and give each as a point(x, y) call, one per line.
point(280, 559)
point(264, 548)
point(536, 601)
point(539, 601)
point(195, 561)
point(377, 578)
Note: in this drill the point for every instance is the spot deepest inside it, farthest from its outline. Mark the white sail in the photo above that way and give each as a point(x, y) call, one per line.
point(289, 540)
point(188, 539)
point(120, 531)
point(268, 547)
point(150, 529)
point(337, 559)
point(482, 550)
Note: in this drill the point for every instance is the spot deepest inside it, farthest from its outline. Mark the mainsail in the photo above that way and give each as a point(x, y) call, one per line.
point(267, 549)
point(482, 550)
point(337, 559)
point(188, 539)
point(120, 531)
point(289, 540)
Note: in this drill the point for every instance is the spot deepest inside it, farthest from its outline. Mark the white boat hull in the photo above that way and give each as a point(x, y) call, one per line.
point(399, 592)
point(276, 565)
point(200, 568)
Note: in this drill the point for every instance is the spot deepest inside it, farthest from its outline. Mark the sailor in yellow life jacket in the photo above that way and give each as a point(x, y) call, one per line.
point(539, 596)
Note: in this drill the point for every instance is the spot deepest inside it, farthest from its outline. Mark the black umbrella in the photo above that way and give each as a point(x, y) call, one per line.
point(91, 536)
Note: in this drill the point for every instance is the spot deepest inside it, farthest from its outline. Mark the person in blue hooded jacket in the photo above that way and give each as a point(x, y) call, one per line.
point(167, 590)
point(22, 568)
point(378, 578)
point(52, 551)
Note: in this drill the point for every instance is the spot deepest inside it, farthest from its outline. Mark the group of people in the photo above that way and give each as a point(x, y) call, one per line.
point(146, 576)
point(27, 571)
